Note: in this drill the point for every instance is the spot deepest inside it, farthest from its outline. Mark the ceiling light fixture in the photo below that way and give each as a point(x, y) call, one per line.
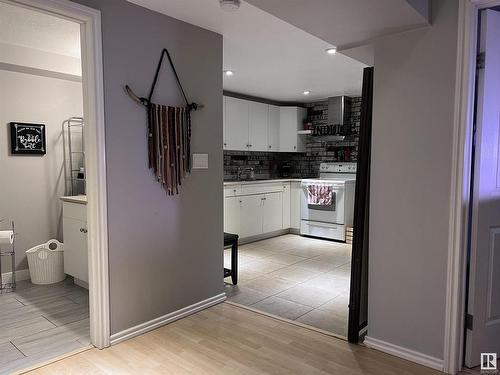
point(228, 73)
point(331, 50)
point(230, 5)
point(307, 92)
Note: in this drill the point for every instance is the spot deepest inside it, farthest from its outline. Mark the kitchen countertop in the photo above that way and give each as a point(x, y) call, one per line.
point(80, 199)
point(249, 182)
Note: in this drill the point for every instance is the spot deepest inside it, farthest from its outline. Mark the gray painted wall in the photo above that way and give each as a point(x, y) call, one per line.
point(165, 253)
point(410, 184)
point(31, 185)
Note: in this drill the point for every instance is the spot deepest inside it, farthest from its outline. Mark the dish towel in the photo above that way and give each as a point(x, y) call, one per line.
point(320, 194)
point(169, 145)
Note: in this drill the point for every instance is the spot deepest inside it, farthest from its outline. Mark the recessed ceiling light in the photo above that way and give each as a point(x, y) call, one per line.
point(228, 73)
point(331, 50)
point(230, 5)
point(307, 92)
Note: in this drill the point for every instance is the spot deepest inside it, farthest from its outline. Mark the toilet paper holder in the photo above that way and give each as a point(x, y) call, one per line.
point(8, 239)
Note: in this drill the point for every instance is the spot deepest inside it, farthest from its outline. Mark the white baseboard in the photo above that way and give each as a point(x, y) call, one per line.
point(408, 354)
point(20, 276)
point(165, 319)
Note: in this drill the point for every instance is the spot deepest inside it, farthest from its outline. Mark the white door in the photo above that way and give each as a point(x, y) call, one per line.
point(251, 215)
point(232, 215)
point(257, 126)
point(236, 124)
point(484, 288)
point(273, 130)
point(272, 212)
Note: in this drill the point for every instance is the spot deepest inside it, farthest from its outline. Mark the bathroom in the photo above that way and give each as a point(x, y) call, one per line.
point(42, 162)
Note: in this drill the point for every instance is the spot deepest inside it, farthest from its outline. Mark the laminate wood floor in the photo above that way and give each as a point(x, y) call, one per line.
point(225, 339)
point(303, 279)
point(40, 322)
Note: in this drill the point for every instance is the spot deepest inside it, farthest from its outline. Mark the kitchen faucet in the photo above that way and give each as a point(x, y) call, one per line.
point(250, 176)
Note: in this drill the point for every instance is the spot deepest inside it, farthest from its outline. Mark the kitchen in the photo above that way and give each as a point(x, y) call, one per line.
point(289, 179)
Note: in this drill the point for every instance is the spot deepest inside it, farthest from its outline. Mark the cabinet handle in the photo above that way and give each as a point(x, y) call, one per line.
point(225, 144)
point(83, 230)
point(270, 146)
point(294, 147)
point(234, 190)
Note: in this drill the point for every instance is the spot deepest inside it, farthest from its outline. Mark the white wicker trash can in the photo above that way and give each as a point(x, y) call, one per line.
point(46, 262)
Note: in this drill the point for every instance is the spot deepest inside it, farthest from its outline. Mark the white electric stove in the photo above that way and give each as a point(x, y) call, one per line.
point(330, 221)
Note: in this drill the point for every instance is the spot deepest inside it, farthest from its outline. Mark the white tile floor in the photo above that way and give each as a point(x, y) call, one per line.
point(40, 322)
point(298, 278)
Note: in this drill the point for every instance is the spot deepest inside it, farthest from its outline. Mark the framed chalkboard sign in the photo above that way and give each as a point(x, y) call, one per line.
point(27, 139)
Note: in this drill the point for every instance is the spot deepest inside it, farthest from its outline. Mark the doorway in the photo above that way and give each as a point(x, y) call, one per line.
point(75, 316)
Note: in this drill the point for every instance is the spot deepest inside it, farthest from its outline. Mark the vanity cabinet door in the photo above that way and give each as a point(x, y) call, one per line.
point(75, 248)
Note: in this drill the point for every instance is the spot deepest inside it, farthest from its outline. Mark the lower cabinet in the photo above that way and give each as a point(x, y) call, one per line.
point(286, 205)
point(295, 191)
point(251, 215)
point(232, 215)
point(272, 212)
point(75, 241)
point(254, 214)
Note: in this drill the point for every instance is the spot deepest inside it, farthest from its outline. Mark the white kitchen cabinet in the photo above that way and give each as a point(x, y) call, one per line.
point(258, 126)
point(286, 205)
point(75, 240)
point(291, 121)
point(251, 215)
point(272, 212)
point(295, 192)
point(273, 129)
point(224, 123)
point(232, 215)
point(237, 117)
point(253, 209)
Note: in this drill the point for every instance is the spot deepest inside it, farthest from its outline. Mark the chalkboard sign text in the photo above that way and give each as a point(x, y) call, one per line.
point(27, 139)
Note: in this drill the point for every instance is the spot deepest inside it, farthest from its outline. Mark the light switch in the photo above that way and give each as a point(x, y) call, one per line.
point(200, 161)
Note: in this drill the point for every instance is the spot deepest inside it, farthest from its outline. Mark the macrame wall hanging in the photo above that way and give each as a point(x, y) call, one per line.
point(169, 134)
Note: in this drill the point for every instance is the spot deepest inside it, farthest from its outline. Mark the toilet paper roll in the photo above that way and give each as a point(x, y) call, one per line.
point(6, 237)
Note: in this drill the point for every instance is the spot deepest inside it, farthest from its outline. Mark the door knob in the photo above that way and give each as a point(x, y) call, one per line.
point(83, 230)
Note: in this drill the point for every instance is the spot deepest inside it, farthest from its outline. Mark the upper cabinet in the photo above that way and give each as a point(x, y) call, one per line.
point(255, 126)
point(291, 121)
point(237, 117)
point(273, 130)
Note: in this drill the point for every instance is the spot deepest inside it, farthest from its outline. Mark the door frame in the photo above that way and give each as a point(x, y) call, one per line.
point(95, 159)
point(461, 181)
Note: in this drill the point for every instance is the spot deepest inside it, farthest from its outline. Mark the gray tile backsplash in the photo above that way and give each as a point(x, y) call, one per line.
point(296, 165)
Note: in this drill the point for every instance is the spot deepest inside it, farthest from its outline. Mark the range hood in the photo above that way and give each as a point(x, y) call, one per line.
point(339, 110)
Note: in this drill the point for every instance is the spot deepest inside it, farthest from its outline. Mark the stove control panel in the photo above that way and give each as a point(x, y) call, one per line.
point(337, 167)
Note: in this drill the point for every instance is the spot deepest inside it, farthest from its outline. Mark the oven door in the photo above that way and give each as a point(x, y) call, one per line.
point(333, 213)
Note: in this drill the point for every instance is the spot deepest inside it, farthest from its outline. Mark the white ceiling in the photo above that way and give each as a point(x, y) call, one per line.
point(351, 23)
point(26, 28)
point(270, 58)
